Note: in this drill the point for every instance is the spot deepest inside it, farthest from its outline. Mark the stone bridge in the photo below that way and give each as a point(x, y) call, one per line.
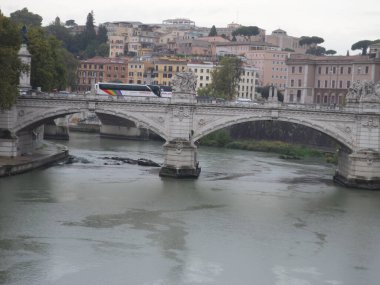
point(181, 121)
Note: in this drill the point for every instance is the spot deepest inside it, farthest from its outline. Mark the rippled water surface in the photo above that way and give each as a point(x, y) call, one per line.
point(250, 218)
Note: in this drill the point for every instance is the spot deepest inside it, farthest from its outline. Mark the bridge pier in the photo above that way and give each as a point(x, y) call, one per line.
point(180, 160)
point(180, 152)
point(359, 169)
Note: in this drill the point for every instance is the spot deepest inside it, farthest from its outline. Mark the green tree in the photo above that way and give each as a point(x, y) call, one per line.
point(51, 64)
point(24, 17)
point(89, 31)
point(205, 91)
point(102, 37)
point(246, 31)
point(10, 65)
point(363, 45)
point(213, 32)
point(103, 50)
point(62, 33)
point(70, 23)
point(330, 52)
point(71, 65)
point(316, 50)
point(310, 41)
point(226, 77)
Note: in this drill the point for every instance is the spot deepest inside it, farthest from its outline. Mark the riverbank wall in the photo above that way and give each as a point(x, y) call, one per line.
point(47, 155)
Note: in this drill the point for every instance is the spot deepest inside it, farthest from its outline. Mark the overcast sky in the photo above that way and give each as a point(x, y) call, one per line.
point(340, 22)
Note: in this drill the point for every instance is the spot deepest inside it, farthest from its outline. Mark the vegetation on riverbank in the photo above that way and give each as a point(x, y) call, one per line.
point(287, 151)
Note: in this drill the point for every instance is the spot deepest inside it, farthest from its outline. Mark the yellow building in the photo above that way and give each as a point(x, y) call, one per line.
point(140, 72)
point(166, 68)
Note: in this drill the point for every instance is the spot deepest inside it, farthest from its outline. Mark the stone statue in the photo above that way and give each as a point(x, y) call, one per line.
point(184, 82)
point(24, 34)
point(364, 91)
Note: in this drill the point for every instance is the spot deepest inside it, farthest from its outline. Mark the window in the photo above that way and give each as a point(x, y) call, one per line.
point(334, 70)
point(333, 84)
point(292, 83)
point(298, 96)
point(300, 69)
point(319, 83)
point(319, 70)
point(325, 83)
point(293, 69)
point(327, 70)
point(349, 70)
point(340, 84)
point(366, 69)
point(299, 82)
point(348, 84)
point(341, 70)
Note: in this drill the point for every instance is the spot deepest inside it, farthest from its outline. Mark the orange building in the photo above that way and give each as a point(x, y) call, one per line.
point(100, 69)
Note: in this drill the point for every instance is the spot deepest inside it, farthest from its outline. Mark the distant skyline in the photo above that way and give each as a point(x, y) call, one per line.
point(339, 22)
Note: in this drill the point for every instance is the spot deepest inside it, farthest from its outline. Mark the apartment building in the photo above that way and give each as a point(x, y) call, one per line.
point(140, 72)
point(100, 69)
point(117, 45)
point(326, 79)
point(271, 66)
point(166, 68)
point(247, 84)
point(119, 34)
point(203, 72)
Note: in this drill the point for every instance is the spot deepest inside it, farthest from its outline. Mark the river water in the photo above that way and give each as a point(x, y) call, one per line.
point(250, 218)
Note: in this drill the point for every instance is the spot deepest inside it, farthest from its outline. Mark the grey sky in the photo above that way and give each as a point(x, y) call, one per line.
point(340, 22)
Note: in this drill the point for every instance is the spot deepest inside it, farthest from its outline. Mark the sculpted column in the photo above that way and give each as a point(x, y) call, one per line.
point(180, 152)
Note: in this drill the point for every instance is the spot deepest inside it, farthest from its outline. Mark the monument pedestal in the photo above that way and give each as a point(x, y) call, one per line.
point(180, 160)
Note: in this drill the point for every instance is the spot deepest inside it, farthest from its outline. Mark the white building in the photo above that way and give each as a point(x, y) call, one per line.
point(203, 72)
point(247, 85)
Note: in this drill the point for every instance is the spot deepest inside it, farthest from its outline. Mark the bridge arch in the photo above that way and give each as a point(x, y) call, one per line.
point(331, 131)
point(35, 120)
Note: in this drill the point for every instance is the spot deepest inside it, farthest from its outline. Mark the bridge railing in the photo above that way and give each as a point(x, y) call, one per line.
point(273, 105)
point(253, 105)
point(87, 97)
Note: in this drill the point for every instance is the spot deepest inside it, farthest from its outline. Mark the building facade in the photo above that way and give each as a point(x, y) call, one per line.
point(271, 66)
point(166, 68)
point(247, 84)
point(326, 79)
point(281, 39)
point(100, 69)
point(203, 73)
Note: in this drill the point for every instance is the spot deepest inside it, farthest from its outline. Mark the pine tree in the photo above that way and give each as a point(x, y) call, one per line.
point(213, 32)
